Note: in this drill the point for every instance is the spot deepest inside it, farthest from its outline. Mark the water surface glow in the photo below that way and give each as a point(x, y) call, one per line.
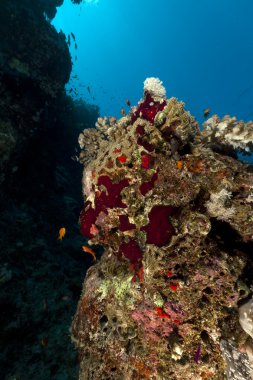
point(202, 50)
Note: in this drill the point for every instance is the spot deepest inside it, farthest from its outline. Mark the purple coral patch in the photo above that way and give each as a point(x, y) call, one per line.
point(112, 197)
point(148, 109)
point(124, 224)
point(149, 147)
point(140, 131)
point(159, 230)
point(88, 217)
point(131, 251)
point(147, 186)
point(109, 199)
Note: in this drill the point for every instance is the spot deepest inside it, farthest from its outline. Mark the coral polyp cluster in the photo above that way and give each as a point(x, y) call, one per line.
point(166, 207)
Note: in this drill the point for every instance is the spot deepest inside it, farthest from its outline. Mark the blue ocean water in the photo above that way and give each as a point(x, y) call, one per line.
point(202, 50)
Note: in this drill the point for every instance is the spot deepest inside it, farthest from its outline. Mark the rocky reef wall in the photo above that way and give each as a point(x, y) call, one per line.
point(35, 65)
point(40, 192)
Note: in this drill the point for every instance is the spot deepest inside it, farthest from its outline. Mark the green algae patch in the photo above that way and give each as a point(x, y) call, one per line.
point(119, 286)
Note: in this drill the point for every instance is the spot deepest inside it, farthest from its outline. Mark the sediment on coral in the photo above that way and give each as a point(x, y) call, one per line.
point(162, 303)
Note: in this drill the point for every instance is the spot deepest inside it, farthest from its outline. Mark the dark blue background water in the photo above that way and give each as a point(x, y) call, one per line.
point(202, 50)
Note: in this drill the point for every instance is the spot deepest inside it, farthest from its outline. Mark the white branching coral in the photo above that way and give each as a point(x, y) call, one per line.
point(104, 124)
point(229, 131)
point(92, 140)
point(217, 205)
point(154, 86)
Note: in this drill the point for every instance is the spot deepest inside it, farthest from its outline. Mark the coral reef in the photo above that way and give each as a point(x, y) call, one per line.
point(174, 214)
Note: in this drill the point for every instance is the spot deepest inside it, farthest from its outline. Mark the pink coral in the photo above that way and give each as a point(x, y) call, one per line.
point(159, 233)
point(153, 325)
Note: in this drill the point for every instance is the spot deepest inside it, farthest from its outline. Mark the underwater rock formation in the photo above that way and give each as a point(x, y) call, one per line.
point(35, 65)
point(40, 277)
point(175, 219)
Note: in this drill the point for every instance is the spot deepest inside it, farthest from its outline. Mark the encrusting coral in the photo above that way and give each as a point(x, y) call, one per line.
point(175, 218)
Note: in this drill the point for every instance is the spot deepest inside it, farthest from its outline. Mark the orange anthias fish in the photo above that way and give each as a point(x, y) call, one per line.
point(62, 233)
point(180, 164)
point(87, 249)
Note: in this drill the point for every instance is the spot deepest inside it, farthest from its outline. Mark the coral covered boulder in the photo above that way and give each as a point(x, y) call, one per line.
point(175, 219)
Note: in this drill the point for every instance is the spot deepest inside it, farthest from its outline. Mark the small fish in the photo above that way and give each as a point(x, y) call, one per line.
point(73, 36)
point(87, 249)
point(88, 88)
point(180, 164)
point(62, 233)
point(66, 298)
point(128, 103)
point(122, 111)
point(206, 112)
point(75, 45)
point(45, 305)
point(44, 342)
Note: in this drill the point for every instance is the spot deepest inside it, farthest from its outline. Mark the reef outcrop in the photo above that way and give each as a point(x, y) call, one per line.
point(172, 207)
point(35, 65)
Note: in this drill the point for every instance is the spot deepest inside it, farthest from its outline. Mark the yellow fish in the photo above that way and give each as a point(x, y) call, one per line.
point(87, 249)
point(62, 233)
